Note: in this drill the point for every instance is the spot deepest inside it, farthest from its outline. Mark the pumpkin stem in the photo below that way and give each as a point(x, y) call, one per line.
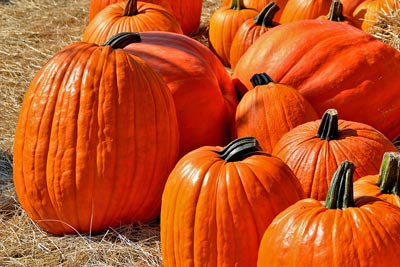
point(239, 149)
point(260, 79)
point(237, 5)
point(131, 8)
point(122, 39)
point(389, 173)
point(329, 127)
point(336, 11)
point(340, 192)
point(266, 16)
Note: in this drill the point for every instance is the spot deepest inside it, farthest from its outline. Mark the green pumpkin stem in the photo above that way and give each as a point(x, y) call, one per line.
point(336, 11)
point(329, 127)
point(260, 79)
point(237, 5)
point(131, 8)
point(340, 192)
point(266, 16)
point(122, 39)
point(389, 173)
point(239, 149)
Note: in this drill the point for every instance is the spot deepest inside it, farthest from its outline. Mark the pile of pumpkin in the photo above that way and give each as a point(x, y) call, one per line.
point(139, 120)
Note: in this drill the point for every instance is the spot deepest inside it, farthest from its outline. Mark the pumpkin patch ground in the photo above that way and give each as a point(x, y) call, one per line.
point(31, 32)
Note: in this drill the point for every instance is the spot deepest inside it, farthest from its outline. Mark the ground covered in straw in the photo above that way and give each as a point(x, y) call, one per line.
point(31, 31)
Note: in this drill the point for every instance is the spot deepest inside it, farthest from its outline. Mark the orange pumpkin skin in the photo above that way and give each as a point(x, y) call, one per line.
point(96, 6)
point(270, 110)
point(136, 17)
point(207, 199)
point(87, 134)
point(249, 31)
point(333, 65)
point(188, 13)
point(304, 9)
point(223, 25)
point(309, 235)
point(204, 95)
point(384, 185)
point(314, 157)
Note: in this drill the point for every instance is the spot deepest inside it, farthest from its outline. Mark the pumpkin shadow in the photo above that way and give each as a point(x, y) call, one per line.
point(5, 2)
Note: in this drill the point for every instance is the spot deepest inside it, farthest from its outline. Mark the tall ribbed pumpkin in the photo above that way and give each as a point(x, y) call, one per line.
point(218, 202)
point(314, 149)
point(333, 65)
point(129, 16)
point(96, 138)
point(203, 93)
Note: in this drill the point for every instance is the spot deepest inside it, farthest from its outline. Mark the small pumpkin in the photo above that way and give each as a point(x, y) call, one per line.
point(250, 30)
point(93, 122)
point(223, 25)
point(129, 16)
point(304, 9)
point(218, 201)
point(204, 95)
point(259, 5)
point(270, 110)
point(342, 231)
point(314, 149)
point(386, 184)
point(336, 14)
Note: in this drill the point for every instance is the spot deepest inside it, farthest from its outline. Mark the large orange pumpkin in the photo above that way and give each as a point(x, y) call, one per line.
point(96, 138)
point(130, 16)
point(342, 231)
point(270, 110)
point(386, 184)
point(314, 149)
point(218, 202)
point(97, 5)
point(204, 95)
point(333, 65)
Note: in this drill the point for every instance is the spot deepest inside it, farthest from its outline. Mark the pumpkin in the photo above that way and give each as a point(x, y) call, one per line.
point(223, 25)
point(96, 6)
point(96, 138)
point(218, 202)
point(314, 149)
point(336, 14)
point(204, 95)
point(342, 231)
point(270, 110)
point(349, 6)
point(250, 30)
point(259, 5)
point(130, 16)
point(333, 65)
point(304, 9)
point(384, 185)
point(188, 13)
point(367, 12)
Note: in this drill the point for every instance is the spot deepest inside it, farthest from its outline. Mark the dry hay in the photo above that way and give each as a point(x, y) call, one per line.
point(31, 31)
point(387, 28)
